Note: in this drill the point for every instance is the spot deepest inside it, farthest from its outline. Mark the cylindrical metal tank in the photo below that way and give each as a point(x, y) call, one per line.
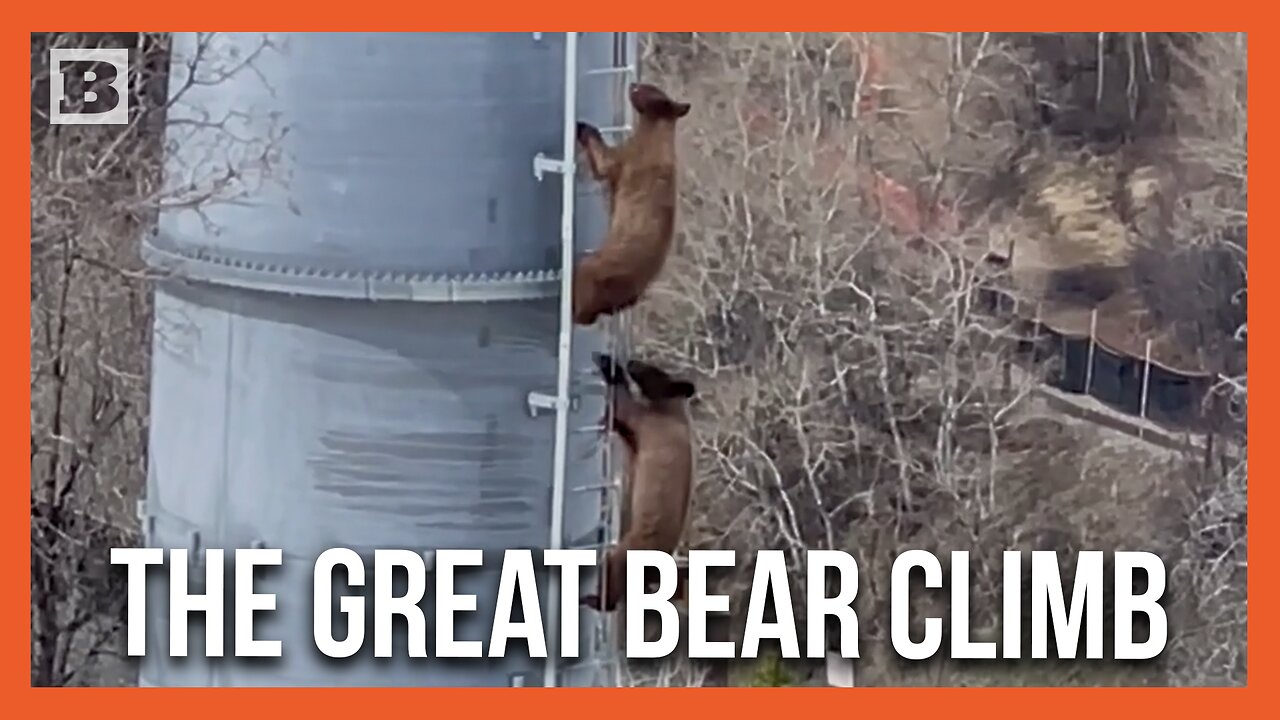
point(345, 351)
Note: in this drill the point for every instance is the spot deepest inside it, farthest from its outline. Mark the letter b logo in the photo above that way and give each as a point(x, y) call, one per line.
point(88, 86)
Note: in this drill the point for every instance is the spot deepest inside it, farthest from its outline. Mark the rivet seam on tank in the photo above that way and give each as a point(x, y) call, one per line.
point(201, 263)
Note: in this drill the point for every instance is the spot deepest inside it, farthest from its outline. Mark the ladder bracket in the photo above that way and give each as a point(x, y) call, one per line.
point(543, 164)
point(595, 429)
point(539, 401)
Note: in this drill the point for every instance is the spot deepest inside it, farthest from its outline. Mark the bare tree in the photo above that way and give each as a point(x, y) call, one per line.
point(841, 193)
point(95, 191)
point(1207, 242)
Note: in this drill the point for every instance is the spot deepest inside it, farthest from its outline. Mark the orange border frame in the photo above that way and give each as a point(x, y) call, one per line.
point(379, 15)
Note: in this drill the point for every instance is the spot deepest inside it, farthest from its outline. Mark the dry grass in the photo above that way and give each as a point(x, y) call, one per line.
point(1075, 198)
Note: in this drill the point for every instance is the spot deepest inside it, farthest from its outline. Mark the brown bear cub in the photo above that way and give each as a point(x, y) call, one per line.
point(640, 181)
point(657, 432)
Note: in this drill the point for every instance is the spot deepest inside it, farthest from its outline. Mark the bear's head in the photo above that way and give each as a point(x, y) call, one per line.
point(651, 102)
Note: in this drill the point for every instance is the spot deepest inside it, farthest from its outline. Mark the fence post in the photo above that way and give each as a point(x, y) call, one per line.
point(1035, 336)
point(1146, 383)
point(1006, 368)
point(1088, 369)
point(1208, 455)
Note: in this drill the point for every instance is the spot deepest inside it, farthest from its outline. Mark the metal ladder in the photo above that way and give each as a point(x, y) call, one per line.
point(604, 650)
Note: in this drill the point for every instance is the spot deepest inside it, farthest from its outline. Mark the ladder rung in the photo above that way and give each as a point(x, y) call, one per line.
point(615, 70)
point(597, 487)
point(615, 129)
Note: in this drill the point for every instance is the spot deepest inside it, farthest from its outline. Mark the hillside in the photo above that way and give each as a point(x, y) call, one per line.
point(846, 200)
point(841, 193)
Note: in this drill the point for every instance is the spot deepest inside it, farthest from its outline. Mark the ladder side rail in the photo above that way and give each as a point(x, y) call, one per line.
point(565, 345)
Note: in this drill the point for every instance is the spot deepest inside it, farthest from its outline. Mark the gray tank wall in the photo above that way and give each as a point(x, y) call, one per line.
point(306, 422)
point(404, 152)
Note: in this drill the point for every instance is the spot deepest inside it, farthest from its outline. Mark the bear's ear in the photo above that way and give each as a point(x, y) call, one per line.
point(654, 384)
point(641, 371)
point(682, 389)
point(679, 109)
